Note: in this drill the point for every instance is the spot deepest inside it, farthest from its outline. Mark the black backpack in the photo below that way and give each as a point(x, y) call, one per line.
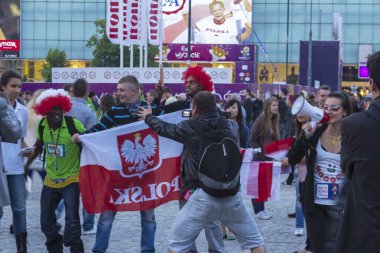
point(220, 162)
point(70, 127)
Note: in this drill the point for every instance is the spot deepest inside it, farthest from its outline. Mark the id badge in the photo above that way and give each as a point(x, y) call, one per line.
point(56, 150)
point(326, 191)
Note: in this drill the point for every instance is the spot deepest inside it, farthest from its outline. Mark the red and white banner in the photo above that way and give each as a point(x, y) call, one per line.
point(135, 20)
point(278, 150)
point(129, 168)
point(260, 180)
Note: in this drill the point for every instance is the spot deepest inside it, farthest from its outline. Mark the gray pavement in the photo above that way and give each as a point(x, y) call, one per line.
point(125, 237)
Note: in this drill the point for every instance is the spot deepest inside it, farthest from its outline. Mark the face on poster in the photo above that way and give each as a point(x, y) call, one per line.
point(9, 28)
point(212, 21)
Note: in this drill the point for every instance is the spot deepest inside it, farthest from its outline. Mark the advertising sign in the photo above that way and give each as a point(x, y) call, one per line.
point(212, 21)
point(10, 28)
point(208, 53)
point(144, 75)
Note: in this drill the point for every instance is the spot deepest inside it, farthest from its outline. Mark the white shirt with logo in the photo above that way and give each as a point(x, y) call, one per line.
point(14, 163)
point(212, 33)
point(328, 177)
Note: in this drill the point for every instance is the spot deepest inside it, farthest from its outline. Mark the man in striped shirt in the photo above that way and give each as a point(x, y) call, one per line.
point(128, 90)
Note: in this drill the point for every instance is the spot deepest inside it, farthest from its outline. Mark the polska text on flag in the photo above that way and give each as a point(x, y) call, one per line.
point(129, 168)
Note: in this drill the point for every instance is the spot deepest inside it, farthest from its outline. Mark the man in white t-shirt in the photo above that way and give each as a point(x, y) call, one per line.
point(13, 162)
point(217, 29)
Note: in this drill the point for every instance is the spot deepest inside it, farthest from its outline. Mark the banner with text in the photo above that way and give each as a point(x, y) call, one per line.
point(10, 29)
point(129, 168)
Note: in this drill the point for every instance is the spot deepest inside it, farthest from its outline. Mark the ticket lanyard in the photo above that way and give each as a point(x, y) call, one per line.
point(56, 146)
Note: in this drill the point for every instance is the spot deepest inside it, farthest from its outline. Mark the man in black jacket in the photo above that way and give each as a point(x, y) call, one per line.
point(360, 159)
point(202, 208)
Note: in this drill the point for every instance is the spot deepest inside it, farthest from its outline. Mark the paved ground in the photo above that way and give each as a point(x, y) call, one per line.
point(125, 237)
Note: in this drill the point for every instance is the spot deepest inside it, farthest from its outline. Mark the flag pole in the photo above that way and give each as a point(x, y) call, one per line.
point(161, 38)
point(121, 34)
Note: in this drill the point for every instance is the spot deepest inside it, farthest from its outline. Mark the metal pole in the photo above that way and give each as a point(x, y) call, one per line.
point(189, 36)
point(310, 56)
point(320, 24)
point(287, 43)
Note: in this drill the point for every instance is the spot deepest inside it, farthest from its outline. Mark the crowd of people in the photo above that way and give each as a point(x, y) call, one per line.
point(333, 164)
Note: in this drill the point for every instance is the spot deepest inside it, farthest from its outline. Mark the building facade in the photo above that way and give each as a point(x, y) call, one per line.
point(68, 24)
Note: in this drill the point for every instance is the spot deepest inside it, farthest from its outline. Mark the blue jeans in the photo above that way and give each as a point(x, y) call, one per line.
point(148, 231)
point(299, 210)
point(88, 219)
point(50, 197)
point(258, 206)
point(17, 195)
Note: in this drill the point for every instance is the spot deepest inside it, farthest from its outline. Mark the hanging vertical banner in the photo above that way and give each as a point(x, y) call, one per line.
point(114, 20)
point(133, 22)
point(154, 19)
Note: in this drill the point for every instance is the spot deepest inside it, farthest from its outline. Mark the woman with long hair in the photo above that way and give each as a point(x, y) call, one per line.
point(324, 178)
point(264, 131)
point(235, 108)
point(106, 102)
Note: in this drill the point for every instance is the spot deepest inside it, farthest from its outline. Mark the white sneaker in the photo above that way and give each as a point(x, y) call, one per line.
point(263, 215)
point(91, 231)
point(298, 232)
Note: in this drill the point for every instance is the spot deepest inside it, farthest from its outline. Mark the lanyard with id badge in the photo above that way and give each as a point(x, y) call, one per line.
point(326, 191)
point(54, 149)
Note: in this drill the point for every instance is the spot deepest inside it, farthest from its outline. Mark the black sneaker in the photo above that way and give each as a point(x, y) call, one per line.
point(11, 229)
point(291, 215)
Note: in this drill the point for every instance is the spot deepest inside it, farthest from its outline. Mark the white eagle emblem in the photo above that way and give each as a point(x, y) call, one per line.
point(138, 155)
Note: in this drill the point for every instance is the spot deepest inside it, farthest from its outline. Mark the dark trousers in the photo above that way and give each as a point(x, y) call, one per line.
point(50, 197)
point(258, 206)
point(322, 227)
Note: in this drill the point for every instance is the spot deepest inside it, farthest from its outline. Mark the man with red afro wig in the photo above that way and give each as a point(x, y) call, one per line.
point(62, 168)
point(195, 80)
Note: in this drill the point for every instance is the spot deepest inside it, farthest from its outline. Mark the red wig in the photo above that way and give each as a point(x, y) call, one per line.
point(201, 76)
point(52, 98)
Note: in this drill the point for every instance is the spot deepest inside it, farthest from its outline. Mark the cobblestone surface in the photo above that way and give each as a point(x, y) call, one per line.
point(125, 236)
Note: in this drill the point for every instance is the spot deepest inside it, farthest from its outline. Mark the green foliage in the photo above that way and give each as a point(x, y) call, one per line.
point(54, 58)
point(107, 54)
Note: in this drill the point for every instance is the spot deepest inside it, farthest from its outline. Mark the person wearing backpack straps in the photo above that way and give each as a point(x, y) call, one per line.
point(62, 167)
point(209, 141)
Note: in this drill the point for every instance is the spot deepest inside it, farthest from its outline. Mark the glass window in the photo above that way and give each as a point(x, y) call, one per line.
point(40, 11)
point(77, 49)
point(366, 13)
point(297, 12)
point(27, 10)
point(52, 10)
point(351, 33)
point(78, 12)
point(376, 34)
point(53, 30)
point(40, 50)
point(52, 44)
point(27, 28)
point(90, 11)
point(27, 49)
point(65, 11)
point(351, 54)
point(89, 29)
point(65, 30)
point(365, 34)
point(352, 14)
point(65, 45)
point(40, 30)
point(77, 31)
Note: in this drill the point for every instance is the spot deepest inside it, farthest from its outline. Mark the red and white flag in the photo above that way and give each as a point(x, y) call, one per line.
point(278, 150)
point(129, 168)
point(260, 180)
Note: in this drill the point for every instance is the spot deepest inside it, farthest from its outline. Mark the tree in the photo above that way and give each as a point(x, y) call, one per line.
point(107, 54)
point(54, 58)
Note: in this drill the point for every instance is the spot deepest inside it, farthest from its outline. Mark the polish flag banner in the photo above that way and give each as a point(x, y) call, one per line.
point(260, 180)
point(278, 150)
point(129, 168)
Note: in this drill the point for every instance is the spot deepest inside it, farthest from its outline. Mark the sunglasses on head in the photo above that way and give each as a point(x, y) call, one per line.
point(333, 108)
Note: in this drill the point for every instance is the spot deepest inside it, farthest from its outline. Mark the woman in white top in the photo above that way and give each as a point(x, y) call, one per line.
point(13, 160)
point(324, 179)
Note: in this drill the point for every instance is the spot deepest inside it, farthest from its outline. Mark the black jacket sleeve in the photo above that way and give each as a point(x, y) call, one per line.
point(177, 132)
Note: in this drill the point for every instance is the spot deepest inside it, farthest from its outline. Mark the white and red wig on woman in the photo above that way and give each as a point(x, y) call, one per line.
point(52, 98)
